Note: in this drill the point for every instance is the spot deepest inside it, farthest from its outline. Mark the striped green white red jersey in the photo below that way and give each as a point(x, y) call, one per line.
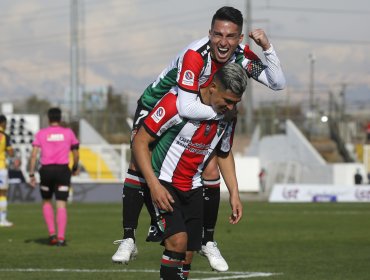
point(182, 147)
point(194, 68)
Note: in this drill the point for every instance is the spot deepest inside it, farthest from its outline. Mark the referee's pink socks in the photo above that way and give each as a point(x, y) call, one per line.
point(48, 212)
point(61, 222)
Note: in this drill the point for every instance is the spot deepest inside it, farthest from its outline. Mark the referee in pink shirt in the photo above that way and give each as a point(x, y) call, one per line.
point(55, 142)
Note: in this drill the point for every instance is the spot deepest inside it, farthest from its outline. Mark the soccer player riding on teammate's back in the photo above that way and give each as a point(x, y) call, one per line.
point(189, 72)
point(171, 152)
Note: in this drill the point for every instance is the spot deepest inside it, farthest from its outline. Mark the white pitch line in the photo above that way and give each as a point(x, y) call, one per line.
point(240, 276)
point(232, 274)
point(75, 270)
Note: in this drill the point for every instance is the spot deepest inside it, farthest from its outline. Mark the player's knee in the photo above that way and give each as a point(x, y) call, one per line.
point(177, 242)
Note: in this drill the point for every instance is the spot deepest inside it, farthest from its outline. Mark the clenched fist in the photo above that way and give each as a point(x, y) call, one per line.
point(260, 38)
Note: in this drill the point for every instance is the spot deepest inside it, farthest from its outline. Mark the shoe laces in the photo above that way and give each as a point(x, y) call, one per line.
point(124, 243)
point(213, 250)
point(118, 241)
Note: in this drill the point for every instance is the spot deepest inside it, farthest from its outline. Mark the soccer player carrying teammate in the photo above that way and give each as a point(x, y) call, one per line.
point(171, 152)
point(5, 150)
point(55, 143)
point(189, 72)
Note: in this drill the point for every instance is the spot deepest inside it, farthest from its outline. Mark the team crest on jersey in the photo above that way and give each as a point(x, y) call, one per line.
point(221, 127)
point(188, 78)
point(207, 130)
point(158, 114)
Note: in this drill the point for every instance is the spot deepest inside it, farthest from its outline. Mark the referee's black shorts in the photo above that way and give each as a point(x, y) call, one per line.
point(187, 215)
point(55, 179)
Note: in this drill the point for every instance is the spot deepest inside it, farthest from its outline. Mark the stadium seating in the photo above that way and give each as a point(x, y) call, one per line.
point(94, 164)
point(93, 161)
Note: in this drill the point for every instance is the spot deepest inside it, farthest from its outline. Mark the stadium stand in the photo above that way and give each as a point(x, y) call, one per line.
point(94, 164)
point(22, 128)
point(98, 162)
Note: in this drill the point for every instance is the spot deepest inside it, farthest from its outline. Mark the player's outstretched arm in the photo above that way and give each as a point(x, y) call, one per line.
point(227, 169)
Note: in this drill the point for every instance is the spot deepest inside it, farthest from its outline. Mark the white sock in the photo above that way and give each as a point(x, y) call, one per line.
point(3, 207)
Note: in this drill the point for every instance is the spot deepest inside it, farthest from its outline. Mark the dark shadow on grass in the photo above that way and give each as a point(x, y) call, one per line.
point(41, 241)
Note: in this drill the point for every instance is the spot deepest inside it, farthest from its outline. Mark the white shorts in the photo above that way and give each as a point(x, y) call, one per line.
point(3, 179)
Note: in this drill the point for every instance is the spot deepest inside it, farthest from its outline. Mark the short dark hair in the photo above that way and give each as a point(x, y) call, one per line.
point(229, 14)
point(2, 119)
point(54, 114)
point(232, 77)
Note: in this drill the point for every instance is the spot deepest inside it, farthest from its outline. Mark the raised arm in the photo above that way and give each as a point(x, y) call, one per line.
point(270, 74)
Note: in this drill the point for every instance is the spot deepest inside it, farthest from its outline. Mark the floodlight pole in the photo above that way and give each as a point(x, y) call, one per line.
point(312, 64)
point(312, 114)
point(74, 79)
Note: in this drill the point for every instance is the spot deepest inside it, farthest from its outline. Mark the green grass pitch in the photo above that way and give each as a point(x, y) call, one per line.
point(273, 241)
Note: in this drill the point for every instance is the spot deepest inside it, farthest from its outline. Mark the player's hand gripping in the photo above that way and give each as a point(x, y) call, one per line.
point(260, 38)
point(162, 198)
point(237, 209)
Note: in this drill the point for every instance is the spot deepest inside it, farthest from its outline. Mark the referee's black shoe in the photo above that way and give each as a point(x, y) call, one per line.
point(61, 243)
point(53, 240)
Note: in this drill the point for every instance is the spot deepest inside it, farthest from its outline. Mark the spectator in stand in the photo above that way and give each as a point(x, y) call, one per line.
point(15, 173)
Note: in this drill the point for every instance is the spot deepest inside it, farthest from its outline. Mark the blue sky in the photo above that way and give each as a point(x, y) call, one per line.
point(127, 44)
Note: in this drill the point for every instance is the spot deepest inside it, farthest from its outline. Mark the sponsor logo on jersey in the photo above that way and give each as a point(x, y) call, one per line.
point(158, 114)
point(188, 78)
point(55, 137)
point(168, 124)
